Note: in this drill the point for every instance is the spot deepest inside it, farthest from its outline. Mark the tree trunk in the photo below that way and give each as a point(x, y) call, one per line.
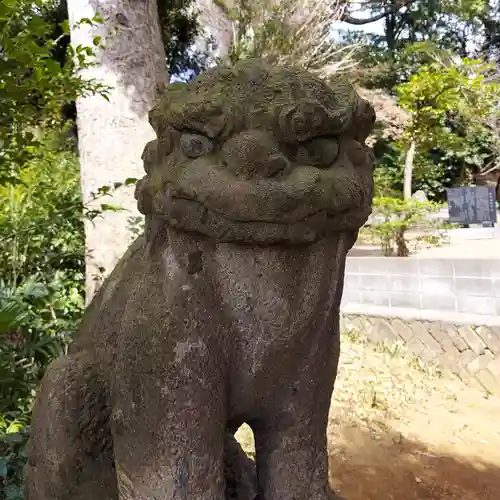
point(112, 135)
point(491, 179)
point(408, 171)
point(390, 34)
point(214, 22)
point(401, 246)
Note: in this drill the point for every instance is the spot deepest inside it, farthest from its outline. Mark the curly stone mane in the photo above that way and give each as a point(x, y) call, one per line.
point(259, 154)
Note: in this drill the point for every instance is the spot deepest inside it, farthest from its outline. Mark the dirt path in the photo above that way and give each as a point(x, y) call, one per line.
point(400, 430)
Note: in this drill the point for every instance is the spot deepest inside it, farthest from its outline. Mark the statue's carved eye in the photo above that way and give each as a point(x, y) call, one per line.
point(195, 145)
point(320, 152)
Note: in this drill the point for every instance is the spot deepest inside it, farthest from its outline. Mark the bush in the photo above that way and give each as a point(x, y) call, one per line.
point(34, 86)
point(12, 460)
point(394, 217)
point(42, 265)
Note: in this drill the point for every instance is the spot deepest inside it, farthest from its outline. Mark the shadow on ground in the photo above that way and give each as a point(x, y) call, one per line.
point(365, 251)
point(371, 465)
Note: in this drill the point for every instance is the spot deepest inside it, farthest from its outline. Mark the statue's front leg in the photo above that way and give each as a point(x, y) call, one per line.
point(168, 424)
point(292, 460)
point(70, 450)
point(291, 444)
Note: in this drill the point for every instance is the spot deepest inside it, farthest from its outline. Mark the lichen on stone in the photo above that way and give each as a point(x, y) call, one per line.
point(255, 153)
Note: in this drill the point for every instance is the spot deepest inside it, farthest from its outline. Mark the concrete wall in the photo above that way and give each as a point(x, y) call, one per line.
point(442, 310)
point(466, 286)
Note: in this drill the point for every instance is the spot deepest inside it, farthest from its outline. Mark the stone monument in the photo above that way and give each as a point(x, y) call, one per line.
point(225, 311)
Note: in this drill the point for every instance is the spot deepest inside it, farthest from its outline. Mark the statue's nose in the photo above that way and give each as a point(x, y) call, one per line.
point(273, 165)
point(254, 154)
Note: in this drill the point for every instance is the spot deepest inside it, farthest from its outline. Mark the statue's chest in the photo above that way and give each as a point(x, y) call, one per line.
point(281, 315)
point(274, 302)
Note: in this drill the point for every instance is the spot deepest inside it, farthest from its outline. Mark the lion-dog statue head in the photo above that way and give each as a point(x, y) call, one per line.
point(259, 154)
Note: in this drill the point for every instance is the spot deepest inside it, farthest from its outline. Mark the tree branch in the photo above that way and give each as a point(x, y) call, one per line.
point(386, 12)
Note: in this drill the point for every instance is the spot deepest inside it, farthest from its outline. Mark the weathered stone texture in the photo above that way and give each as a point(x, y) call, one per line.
point(472, 352)
point(207, 322)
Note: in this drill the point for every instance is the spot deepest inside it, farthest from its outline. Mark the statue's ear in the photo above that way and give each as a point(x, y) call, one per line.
point(149, 156)
point(364, 120)
point(165, 94)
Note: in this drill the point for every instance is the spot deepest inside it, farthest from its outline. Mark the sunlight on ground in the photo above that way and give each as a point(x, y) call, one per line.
point(402, 430)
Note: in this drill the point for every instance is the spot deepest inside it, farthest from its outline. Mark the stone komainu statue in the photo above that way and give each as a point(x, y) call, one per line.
point(225, 311)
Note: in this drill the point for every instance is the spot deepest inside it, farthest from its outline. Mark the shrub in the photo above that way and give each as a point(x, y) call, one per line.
point(42, 264)
point(394, 217)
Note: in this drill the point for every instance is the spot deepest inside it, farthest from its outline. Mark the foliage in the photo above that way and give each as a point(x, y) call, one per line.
point(459, 26)
point(180, 28)
point(42, 268)
point(433, 171)
point(392, 218)
point(454, 109)
point(33, 86)
point(12, 460)
point(42, 250)
point(41, 216)
point(27, 347)
point(42, 247)
point(418, 35)
point(388, 173)
point(42, 244)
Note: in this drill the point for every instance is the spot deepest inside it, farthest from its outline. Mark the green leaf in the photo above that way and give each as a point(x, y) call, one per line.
point(12, 438)
point(65, 26)
point(12, 315)
point(103, 190)
point(107, 207)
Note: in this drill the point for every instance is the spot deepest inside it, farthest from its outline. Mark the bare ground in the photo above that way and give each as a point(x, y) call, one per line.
point(402, 430)
point(487, 248)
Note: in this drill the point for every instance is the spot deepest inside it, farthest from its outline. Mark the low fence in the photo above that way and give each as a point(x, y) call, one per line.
point(442, 310)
